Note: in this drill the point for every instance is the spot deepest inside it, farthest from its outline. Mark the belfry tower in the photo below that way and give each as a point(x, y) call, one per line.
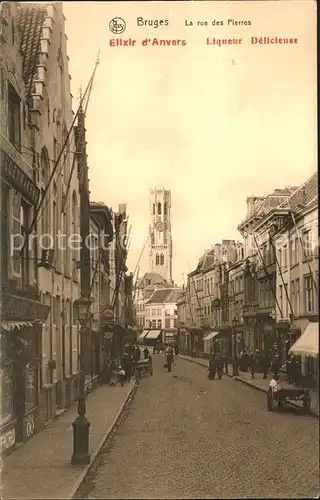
point(160, 239)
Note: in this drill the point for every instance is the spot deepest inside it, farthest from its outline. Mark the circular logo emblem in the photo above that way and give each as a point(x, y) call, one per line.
point(117, 26)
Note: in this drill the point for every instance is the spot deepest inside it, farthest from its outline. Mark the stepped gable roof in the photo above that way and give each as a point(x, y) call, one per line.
point(159, 296)
point(31, 18)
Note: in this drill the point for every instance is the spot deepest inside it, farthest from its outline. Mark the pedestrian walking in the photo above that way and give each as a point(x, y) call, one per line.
point(276, 364)
point(212, 367)
point(169, 358)
point(265, 362)
point(219, 365)
point(146, 353)
point(252, 364)
point(225, 359)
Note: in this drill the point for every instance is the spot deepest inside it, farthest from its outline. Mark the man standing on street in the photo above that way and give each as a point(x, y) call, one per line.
point(212, 367)
point(169, 359)
point(265, 361)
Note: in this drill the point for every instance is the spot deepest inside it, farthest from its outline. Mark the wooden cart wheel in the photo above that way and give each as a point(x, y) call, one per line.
point(270, 399)
point(306, 401)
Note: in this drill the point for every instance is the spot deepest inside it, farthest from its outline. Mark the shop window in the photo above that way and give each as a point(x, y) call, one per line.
point(6, 385)
point(30, 386)
point(14, 118)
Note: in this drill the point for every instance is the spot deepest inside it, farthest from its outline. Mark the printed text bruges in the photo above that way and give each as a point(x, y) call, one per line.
point(153, 23)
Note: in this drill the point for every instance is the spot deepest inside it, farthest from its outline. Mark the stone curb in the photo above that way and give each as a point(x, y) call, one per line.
point(247, 382)
point(95, 453)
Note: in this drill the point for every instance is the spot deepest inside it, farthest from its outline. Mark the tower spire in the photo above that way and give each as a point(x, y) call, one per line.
point(160, 239)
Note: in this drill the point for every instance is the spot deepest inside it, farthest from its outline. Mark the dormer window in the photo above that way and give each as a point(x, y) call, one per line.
point(14, 118)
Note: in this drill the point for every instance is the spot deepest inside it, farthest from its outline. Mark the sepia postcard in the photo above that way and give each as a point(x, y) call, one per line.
point(159, 250)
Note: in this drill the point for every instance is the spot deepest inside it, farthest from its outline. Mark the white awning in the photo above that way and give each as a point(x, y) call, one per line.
point(211, 335)
point(143, 334)
point(153, 334)
point(13, 325)
point(308, 343)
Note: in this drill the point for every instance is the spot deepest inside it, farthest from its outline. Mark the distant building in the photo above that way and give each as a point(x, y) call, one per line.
point(160, 238)
point(144, 289)
point(296, 244)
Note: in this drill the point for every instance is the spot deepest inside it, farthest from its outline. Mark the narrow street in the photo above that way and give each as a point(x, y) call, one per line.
point(187, 437)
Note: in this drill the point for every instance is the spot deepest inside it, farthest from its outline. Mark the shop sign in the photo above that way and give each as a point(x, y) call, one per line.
point(13, 174)
point(19, 308)
point(29, 425)
point(7, 440)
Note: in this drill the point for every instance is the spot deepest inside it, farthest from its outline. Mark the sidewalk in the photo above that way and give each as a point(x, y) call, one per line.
point(41, 467)
point(258, 383)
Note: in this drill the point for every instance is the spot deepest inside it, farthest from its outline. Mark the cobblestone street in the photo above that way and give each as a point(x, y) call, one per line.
point(187, 437)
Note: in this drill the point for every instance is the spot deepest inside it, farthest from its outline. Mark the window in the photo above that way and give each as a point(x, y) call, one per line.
point(45, 175)
point(264, 255)
point(162, 259)
point(65, 156)
point(297, 291)
point(293, 298)
point(307, 243)
point(154, 209)
point(24, 223)
point(165, 209)
point(153, 323)
point(159, 324)
point(55, 230)
point(286, 309)
point(157, 259)
point(6, 384)
point(285, 256)
point(159, 208)
point(14, 118)
point(281, 298)
point(4, 230)
point(308, 293)
point(280, 257)
point(74, 227)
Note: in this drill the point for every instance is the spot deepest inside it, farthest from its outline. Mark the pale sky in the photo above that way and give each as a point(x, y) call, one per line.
point(213, 124)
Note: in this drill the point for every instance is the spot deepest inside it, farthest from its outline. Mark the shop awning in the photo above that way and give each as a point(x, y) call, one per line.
point(143, 334)
point(308, 344)
point(17, 325)
point(153, 334)
point(211, 335)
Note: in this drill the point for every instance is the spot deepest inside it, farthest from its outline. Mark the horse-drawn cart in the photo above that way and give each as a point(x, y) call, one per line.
point(143, 366)
point(280, 397)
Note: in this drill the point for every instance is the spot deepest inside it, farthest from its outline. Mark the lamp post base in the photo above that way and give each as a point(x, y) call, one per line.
point(80, 454)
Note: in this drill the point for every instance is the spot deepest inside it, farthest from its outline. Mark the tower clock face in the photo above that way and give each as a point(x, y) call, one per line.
point(160, 226)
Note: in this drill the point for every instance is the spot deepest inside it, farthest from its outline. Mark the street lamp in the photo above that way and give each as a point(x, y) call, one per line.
point(80, 455)
point(234, 337)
